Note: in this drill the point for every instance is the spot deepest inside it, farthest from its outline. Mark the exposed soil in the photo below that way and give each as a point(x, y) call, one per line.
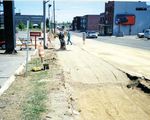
point(100, 89)
point(81, 86)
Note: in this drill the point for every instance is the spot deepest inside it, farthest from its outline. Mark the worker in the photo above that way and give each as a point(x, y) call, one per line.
point(84, 37)
point(41, 52)
point(62, 41)
point(69, 36)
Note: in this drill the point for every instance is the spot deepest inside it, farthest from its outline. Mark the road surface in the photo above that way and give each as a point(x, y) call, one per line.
point(94, 72)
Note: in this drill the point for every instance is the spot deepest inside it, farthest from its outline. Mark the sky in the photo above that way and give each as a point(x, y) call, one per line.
point(65, 9)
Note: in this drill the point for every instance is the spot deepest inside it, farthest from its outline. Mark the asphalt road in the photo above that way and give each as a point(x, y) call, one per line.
point(129, 41)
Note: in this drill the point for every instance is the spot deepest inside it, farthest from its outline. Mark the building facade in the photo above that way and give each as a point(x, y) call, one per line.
point(1, 15)
point(102, 24)
point(76, 24)
point(137, 14)
point(125, 17)
point(90, 23)
point(1, 22)
point(34, 19)
point(106, 19)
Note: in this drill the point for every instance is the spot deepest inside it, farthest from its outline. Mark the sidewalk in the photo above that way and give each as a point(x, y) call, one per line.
point(11, 65)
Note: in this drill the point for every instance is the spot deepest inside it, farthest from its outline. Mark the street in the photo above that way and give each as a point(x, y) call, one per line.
point(97, 75)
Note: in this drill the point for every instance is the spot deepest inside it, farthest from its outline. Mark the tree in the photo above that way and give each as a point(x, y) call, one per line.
point(30, 25)
point(21, 26)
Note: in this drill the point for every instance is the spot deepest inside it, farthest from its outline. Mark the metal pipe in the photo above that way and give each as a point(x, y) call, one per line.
point(49, 16)
point(44, 23)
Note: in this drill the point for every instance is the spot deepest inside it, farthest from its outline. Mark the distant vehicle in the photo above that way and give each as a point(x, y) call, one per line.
point(140, 35)
point(35, 25)
point(91, 34)
point(2, 44)
point(147, 33)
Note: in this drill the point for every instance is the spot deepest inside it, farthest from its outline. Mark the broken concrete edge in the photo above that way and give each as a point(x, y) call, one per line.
point(134, 74)
point(138, 81)
point(12, 78)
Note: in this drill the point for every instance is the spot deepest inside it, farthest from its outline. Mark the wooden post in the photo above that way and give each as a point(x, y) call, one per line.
point(35, 42)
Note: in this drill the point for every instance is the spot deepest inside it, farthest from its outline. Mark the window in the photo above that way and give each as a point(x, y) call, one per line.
point(141, 9)
point(1, 16)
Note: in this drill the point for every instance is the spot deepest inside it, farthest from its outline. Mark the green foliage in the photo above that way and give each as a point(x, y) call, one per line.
point(34, 105)
point(21, 26)
point(30, 25)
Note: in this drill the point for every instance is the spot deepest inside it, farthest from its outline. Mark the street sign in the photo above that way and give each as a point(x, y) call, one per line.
point(35, 34)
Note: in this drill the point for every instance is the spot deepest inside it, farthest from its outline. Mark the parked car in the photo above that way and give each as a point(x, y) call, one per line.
point(140, 35)
point(91, 34)
point(2, 44)
point(2, 41)
point(147, 33)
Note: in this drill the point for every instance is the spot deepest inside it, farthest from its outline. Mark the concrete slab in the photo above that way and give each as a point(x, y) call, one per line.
point(11, 65)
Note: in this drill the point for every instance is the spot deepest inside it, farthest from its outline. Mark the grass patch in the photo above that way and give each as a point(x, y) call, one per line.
point(28, 97)
point(34, 105)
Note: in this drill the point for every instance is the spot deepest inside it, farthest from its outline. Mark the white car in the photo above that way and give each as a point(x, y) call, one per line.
point(147, 33)
point(140, 35)
point(91, 34)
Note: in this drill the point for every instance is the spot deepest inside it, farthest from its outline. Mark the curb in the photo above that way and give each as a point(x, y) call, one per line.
point(12, 78)
point(7, 84)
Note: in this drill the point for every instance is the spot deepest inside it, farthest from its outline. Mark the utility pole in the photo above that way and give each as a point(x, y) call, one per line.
point(27, 52)
point(54, 16)
point(49, 6)
point(44, 23)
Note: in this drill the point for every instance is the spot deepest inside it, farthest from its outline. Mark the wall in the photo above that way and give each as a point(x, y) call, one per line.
point(93, 22)
point(142, 17)
point(35, 19)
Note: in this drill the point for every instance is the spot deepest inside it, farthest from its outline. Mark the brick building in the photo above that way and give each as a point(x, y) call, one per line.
point(86, 23)
point(76, 23)
point(102, 28)
point(106, 19)
point(90, 23)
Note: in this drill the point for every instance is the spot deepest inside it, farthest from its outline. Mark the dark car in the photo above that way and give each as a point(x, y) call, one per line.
point(2, 44)
point(2, 41)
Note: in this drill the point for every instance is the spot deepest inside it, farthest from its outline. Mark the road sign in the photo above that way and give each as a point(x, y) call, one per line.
point(35, 34)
